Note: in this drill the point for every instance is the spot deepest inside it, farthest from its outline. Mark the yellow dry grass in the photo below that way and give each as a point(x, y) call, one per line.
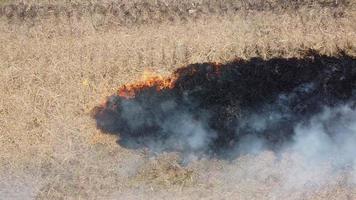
point(54, 70)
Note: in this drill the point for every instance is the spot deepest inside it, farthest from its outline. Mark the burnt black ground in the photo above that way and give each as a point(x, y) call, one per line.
point(211, 108)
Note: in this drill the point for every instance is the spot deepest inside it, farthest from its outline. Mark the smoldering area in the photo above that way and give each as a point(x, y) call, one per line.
point(304, 105)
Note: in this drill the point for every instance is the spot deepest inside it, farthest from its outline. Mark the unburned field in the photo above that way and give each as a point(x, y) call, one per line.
point(55, 68)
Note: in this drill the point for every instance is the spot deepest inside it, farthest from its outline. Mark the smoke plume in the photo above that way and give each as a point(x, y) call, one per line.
point(304, 105)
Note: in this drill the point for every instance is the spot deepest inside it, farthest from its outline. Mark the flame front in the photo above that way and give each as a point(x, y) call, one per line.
point(149, 81)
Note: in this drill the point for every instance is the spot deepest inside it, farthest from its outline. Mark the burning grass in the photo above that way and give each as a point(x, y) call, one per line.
point(57, 62)
point(210, 108)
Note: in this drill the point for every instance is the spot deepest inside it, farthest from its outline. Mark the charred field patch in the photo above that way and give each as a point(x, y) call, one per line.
point(211, 109)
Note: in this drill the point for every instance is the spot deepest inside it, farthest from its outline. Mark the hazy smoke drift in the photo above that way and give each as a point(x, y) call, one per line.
point(330, 134)
point(243, 106)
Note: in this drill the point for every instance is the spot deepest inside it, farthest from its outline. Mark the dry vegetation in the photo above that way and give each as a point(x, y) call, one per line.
point(59, 60)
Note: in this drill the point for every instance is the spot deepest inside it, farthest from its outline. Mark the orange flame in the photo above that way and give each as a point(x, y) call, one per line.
point(149, 80)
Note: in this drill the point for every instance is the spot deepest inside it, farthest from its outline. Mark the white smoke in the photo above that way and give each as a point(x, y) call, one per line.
point(322, 149)
point(328, 138)
point(330, 135)
point(188, 133)
point(179, 130)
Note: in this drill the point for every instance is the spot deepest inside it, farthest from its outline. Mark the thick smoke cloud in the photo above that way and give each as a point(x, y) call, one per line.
point(301, 105)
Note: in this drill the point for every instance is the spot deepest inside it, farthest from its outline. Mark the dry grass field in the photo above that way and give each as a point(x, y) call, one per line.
point(59, 59)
